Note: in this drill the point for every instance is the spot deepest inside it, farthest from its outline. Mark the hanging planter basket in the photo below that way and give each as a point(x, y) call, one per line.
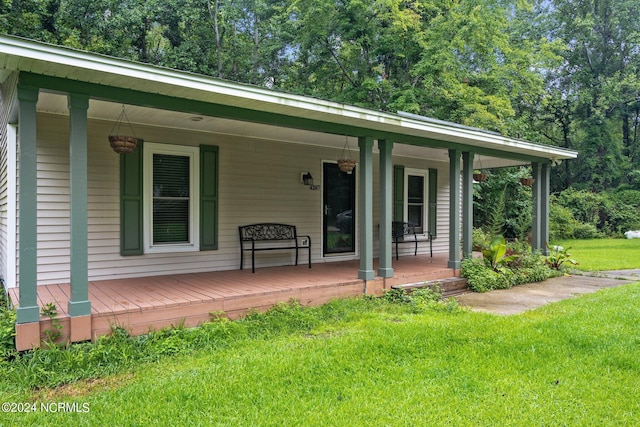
point(345, 162)
point(527, 181)
point(480, 177)
point(346, 165)
point(123, 144)
point(122, 141)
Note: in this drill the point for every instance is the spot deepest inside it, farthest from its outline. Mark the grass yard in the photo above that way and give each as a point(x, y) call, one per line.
point(604, 254)
point(362, 362)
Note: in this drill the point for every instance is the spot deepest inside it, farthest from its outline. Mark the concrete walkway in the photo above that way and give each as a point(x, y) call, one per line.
point(526, 297)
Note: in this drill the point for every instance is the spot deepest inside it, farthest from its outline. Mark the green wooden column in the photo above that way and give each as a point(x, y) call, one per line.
point(365, 208)
point(536, 214)
point(385, 268)
point(545, 185)
point(454, 209)
point(79, 304)
point(28, 310)
point(467, 203)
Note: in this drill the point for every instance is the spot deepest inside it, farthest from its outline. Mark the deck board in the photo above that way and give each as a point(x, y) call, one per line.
point(146, 303)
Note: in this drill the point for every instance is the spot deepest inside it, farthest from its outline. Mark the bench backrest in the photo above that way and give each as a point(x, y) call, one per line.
point(399, 228)
point(267, 231)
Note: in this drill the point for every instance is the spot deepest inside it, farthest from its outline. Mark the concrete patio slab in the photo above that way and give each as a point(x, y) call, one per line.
point(526, 297)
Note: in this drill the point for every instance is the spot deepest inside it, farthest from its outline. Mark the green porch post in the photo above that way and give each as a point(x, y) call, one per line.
point(545, 184)
point(365, 207)
point(386, 204)
point(467, 203)
point(79, 304)
point(536, 214)
point(454, 209)
point(28, 310)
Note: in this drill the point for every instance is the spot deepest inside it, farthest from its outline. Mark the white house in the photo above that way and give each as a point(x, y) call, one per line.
point(215, 155)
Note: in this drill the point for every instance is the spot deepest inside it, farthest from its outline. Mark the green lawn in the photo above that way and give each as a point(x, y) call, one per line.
point(604, 254)
point(366, 363)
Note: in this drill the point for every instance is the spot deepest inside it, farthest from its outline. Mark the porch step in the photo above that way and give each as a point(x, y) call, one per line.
point(450, 286)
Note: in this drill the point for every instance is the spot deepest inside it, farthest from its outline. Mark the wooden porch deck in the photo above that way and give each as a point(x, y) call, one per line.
point(148, 303)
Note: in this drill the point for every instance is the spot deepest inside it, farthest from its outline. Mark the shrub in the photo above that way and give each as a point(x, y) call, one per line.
point(495, 256)
point(558, 256)
point(562, 224)
point(481, 239)
point(523, 266)
point(481, 278)
point(594, 214)
point(7, 333)
point(584, 231)
point(7, 327)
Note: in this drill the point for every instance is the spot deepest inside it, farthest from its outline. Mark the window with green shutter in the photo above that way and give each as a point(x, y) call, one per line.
point(415, 195)
point(169, 199)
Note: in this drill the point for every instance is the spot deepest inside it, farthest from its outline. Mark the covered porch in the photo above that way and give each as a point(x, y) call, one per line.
point(150, 303)
point(80, 215)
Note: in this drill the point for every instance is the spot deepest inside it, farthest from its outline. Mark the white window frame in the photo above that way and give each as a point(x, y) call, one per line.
point(193, 153)
point(425, 194)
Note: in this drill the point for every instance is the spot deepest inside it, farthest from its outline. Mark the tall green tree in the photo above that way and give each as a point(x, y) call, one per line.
point(477, 69)
point(600, 81)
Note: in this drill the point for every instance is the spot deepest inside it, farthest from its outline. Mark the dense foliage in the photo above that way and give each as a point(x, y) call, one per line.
point(563, 72)
point(504, 265)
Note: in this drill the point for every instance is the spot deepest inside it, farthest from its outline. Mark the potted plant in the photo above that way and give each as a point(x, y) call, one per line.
point(479, 176)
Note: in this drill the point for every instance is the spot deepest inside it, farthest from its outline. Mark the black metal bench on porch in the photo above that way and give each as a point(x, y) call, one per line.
point(404, 232)
point(271, 237)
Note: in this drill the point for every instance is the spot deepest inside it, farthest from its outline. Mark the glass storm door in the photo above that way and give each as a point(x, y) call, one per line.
point(339, 196)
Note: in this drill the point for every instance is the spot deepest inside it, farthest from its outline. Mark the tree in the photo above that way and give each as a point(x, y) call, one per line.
point(475, 67)
point(600, 82)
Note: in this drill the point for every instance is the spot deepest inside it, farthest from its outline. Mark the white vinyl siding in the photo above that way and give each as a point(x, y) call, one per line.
point(259, 181)
point(8, 174)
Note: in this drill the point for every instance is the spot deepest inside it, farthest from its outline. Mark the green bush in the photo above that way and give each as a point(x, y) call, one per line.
point(562, 224)
point(7, 333)
point(587, 215)
point(481, 239)
point(7, 327)
point(523, 266)
point(481, 278)
point(502, 205)
point(583, 231)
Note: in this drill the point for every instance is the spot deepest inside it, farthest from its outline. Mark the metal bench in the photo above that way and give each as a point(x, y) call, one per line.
point(270, 237)
point(404, 232)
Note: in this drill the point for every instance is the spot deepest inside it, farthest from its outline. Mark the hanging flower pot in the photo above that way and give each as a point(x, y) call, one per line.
point(346, 165)
point(345, 162)
point(479, 176)
point(527, 181)
point(121, 142)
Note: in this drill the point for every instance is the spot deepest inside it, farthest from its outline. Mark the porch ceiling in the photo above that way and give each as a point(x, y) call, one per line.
point(53, 103)
point(263, 113)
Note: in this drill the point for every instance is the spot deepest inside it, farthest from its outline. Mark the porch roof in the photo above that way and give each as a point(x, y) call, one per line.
point(202, 95)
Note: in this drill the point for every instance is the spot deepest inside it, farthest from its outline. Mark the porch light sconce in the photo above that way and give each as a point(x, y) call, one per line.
point(307, 179)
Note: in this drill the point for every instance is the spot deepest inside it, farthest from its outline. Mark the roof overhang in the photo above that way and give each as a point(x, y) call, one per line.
point(117, 80)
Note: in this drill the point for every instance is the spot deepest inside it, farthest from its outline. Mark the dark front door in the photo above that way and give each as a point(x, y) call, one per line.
point(339, 196)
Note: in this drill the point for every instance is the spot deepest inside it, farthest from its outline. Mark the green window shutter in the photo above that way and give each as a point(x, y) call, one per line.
point(398, 193)
point(208, 198)
point(131, 202)
point(433, 201)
